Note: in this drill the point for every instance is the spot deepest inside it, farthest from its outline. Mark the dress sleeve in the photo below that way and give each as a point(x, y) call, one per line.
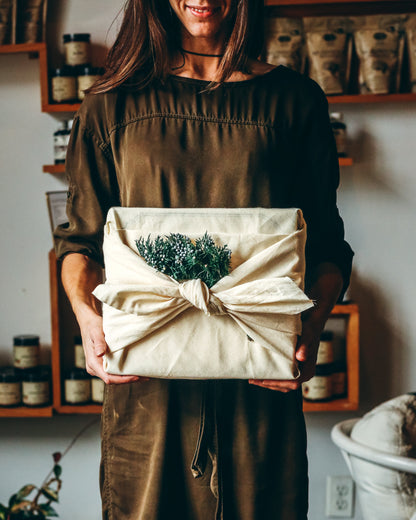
point(319, 176)
point(92, 191)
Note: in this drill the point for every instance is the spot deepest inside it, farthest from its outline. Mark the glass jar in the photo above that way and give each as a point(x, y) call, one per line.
point(61, 140)
point(77, 386)
point(326, 348)
point(339, 379)
point(79, 353)
point(319, 388)
point(26, 351)
point(86, 77)
point(340, 133)
point(64, 85)
point(77, 49)
point(97, 390)
point(36, 386)
point(10, 387)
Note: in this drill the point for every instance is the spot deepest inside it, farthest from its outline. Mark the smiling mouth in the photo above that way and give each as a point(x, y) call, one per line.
point(203, 11)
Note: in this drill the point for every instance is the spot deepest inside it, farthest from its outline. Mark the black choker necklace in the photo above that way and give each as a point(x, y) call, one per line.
point(200, 54)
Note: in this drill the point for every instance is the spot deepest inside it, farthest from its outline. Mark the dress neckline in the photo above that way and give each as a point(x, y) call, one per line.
point(203, 82)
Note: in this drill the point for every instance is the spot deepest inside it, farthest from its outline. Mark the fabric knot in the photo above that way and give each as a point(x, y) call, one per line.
point(198, 294)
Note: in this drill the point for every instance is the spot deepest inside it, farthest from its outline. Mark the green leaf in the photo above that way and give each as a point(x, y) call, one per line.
point(48, 510)
point(3, 512)
point(26, 490)
point(57, 469)
point(49, 493)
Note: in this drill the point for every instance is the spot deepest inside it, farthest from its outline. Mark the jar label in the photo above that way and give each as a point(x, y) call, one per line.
point(26, 356)
point(317, 388)
point(80, 357)
point(64, 88)
point(98, 390)
point(35, 392)
point(60, 146)
point(341, 140)
point(77, 390)
point(77, 53)
point(325, 353)
point(85, 82)
point(10, 394)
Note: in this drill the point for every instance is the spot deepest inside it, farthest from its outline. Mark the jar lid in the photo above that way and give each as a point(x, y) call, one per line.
point(40, 373)
point(77, 373)
point(89, 70)
point(77, 340)
point(9, 375)
point(66, 70)
point(327, 335)
point(77, 37)
point(26, 339)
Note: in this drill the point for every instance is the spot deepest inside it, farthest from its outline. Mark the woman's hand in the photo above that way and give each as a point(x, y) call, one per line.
point(306, 354)
point(80, 276)
point(95, 347)
point(325, 292)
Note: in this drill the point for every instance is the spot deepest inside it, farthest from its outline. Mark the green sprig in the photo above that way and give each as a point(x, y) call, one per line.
point(179, 257)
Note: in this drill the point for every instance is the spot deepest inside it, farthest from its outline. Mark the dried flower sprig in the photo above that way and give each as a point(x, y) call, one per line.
point(181, 258)
point(26, 503)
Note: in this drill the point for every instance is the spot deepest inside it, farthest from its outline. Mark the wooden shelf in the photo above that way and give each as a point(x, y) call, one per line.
point(299, 8)
point(60, 107)
point(53, 168)
point(373, 98)
point(60, 168)
point(23, 411)
point(70, 409)
point(30, 48)
point(350, 312)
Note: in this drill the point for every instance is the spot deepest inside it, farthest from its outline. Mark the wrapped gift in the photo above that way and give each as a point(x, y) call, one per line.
point(245, 326)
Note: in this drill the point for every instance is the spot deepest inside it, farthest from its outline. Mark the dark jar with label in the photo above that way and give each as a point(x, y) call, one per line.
point(86, 77)
point(319, 388)
point(60, 141)
point(340, 133)
point(10, 387)
point(26, 351)
point(77, 49)
point(36, 386)
point(77, 386)
point(64, 85)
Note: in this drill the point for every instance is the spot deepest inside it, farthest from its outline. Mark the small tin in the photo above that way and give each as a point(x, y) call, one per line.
point(10, 387)
point(26, 351)
point(36, 386)
point(77, 386)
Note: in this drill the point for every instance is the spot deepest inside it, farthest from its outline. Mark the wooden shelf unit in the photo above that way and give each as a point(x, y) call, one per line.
point(350, 313)
point(23, 411)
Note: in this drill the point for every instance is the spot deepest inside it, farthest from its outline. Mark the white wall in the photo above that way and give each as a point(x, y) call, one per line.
point(377, 200)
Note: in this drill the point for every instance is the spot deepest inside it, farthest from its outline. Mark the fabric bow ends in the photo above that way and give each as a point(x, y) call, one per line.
point(256, 306)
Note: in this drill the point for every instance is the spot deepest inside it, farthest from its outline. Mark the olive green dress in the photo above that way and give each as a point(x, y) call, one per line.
point(199, 450)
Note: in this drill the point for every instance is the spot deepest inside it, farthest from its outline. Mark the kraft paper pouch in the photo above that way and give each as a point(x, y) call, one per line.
point(285, 43)
point(379, 40)
point(31, 20)
point(245, 326)
point(5, 21)
point(411, 48)
point(329, 46)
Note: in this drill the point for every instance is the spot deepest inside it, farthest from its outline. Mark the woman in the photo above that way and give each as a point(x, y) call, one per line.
point(185, 116)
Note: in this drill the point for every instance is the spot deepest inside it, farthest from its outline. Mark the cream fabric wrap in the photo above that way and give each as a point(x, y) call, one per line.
point(245, 326)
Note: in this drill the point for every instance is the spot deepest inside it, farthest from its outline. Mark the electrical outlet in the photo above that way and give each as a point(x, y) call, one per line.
point(339, 496)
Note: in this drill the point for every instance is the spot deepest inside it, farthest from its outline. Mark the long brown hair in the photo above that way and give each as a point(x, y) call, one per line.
point(150, 34)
